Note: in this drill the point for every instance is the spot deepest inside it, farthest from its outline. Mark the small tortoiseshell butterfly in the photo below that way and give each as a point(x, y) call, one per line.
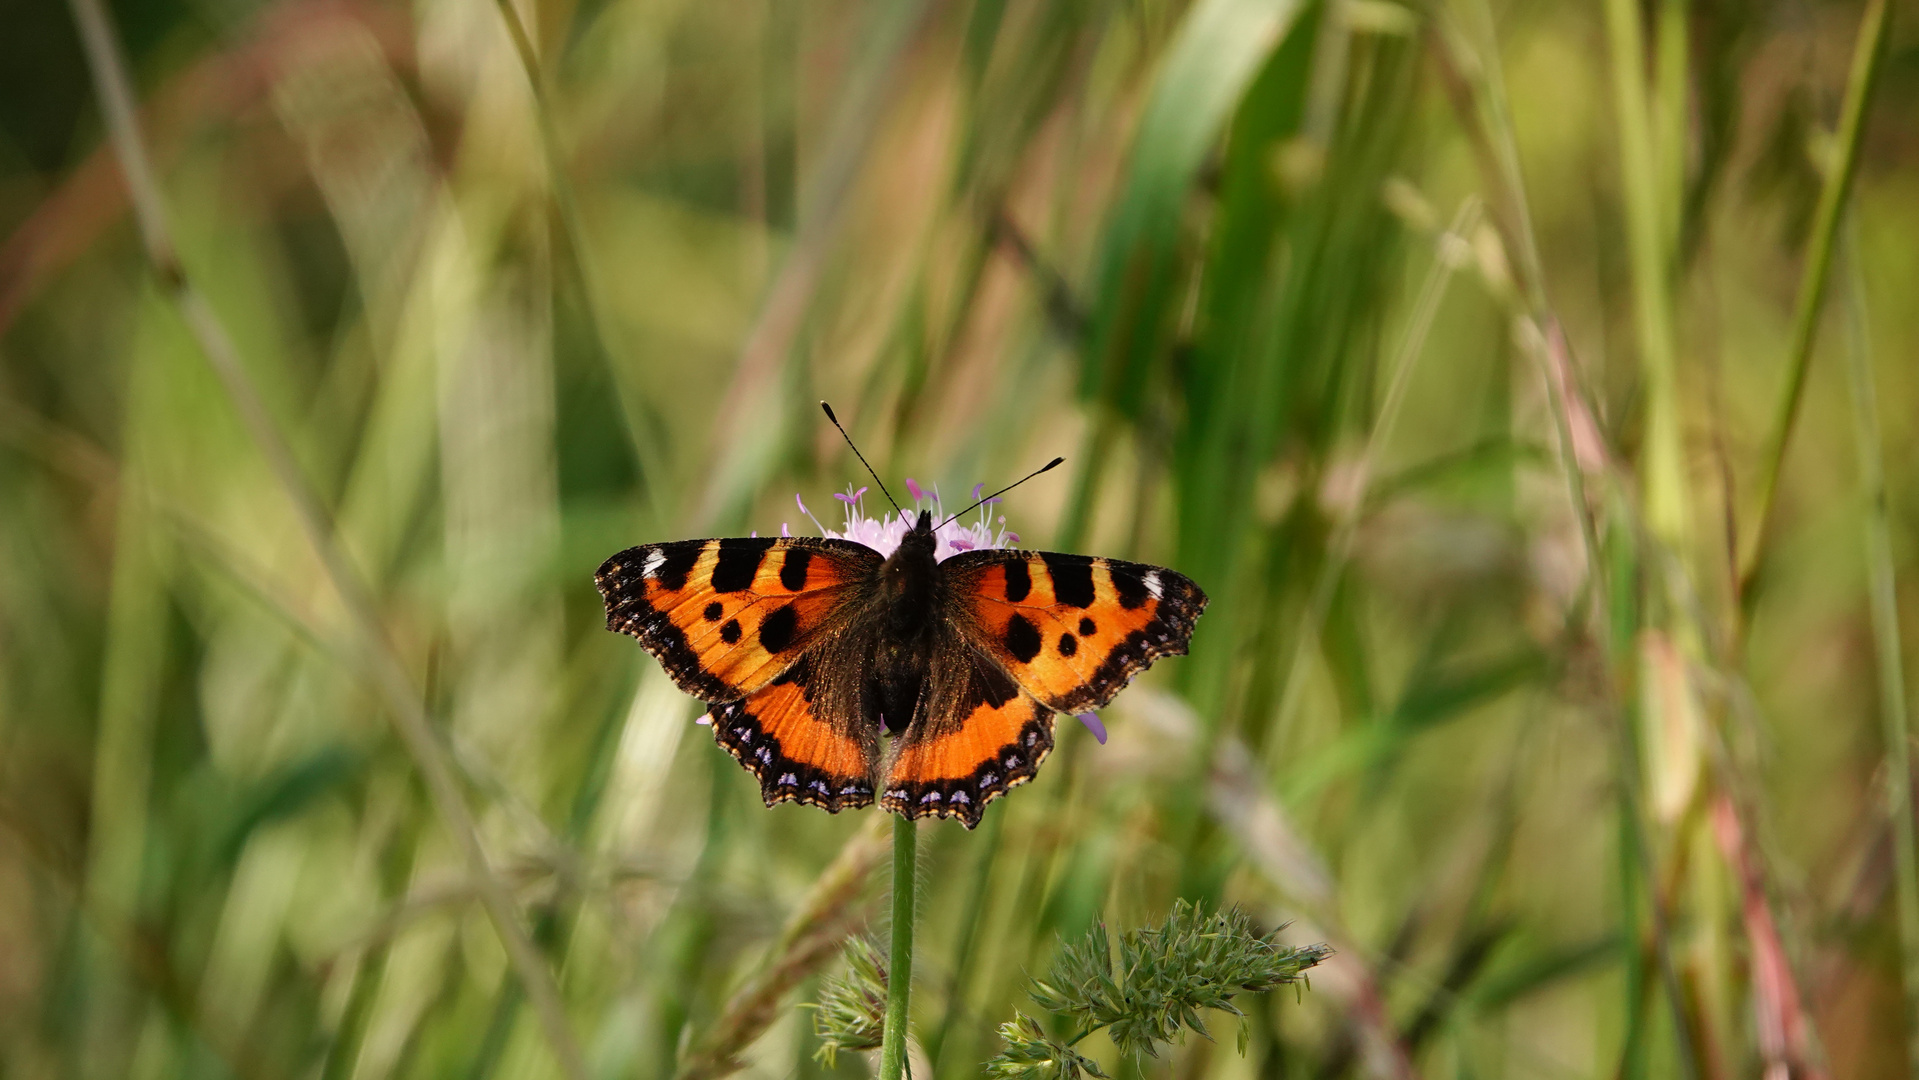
point(806, 649)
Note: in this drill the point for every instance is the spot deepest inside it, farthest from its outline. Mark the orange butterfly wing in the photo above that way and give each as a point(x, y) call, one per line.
point(734, 622)
point(978, 736)
point(797, 755)
point(724, 617)
point(1072, 630)
point(1031, 633)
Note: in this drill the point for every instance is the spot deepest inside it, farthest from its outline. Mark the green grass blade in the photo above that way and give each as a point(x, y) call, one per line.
point(1868, 56)
point(1889, 654)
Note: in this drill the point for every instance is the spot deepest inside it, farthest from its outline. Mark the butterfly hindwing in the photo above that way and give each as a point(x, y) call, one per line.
point(799, 750)
point(977, 736)
point(1072, 630)
point(724, 617)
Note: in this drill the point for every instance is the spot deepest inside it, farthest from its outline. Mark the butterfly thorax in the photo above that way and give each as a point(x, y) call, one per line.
point(908, 592)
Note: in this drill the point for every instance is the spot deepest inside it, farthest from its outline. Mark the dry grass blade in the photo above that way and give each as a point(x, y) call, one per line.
point(402, 698)
point(831, 911)
point(1778, 1010)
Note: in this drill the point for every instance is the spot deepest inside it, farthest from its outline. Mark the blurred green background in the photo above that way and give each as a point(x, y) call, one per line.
point(1444, 342)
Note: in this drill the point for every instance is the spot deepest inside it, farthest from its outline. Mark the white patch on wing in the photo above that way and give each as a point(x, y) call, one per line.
point(653, 560)
point(1152, 583)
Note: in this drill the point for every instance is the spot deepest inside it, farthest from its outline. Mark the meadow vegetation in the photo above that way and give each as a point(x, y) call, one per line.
point(1527, 383)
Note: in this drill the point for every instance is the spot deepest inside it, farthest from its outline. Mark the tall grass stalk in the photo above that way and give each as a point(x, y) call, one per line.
point(1868, 56)
point(1652, 142)
point(1649, 235)
point(1888, 652)
point(748, 405)
point(643, 429)
point(1476, 79)
point(1479, 97)
point(115, 88)
point(899, 967)
point(1450, 253)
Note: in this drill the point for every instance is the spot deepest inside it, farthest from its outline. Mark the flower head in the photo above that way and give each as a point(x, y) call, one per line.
point(883, 533)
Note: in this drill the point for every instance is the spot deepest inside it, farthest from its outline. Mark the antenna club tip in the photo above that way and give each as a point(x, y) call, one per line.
point(1055, 461)
point(829, 412)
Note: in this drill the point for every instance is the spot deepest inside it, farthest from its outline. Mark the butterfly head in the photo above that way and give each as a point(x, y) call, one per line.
point(911, 568)
point(918, 543)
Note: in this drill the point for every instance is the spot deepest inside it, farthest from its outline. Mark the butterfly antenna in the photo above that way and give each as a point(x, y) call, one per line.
point(862, 457)
point(1003, 490)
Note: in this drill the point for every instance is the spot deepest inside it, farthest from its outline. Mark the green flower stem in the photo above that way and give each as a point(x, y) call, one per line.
point(899, 967)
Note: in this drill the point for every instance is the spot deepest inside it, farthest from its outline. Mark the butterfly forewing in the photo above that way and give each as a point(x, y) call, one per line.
point(1072, 630)
point(724, 617)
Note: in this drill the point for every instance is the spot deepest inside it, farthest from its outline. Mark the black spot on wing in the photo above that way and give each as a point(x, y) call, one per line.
point(1068, 644)
point(730, 633)
point(1087, 627)
point(739, 562)
point(778, 629)
point(1022, 639)
point(1131, 588)
point(1165, 634)
point(678, 564)
point(793, 568)
point(1019, 581)
point(1072, 578)
point(988, 686)
point(713, 611)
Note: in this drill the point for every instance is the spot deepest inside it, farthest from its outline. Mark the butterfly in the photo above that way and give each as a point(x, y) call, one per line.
point(835, 673)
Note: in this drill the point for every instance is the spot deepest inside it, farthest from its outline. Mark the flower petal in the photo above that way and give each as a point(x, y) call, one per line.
point(1091, 720)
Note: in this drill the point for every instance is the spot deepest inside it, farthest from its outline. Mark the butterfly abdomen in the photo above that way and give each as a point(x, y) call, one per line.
point(899, 655)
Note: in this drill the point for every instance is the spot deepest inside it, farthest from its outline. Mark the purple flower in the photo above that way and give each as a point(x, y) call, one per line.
point(883, 533)
point(1091, 720)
